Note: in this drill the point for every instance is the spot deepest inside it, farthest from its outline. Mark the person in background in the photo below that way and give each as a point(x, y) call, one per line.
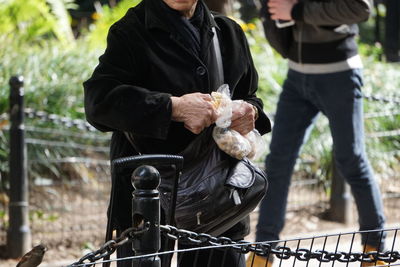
point(220, 6)
point(154, 82)
point(248, 10)
point(325, 77)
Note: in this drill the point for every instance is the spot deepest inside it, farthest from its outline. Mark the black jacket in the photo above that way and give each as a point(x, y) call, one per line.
point(324, 30)
point(145, 62)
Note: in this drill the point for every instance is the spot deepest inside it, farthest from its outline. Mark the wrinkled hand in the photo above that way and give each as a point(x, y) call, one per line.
point(281, 9)
point(194, 110)
point(243, 118)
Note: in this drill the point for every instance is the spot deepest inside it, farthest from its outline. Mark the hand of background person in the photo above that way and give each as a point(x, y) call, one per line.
point(194, 110)
point(281, 9)
point(243, 118)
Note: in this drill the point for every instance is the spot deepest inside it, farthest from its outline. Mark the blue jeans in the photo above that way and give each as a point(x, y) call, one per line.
point(338, 96)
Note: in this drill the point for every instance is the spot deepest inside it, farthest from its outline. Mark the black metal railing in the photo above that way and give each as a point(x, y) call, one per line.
point(340, 249)
point(59, 211)
point(63, 164)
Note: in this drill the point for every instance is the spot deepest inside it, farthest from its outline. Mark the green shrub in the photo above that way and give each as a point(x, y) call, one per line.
point(35, 21)
point(54, 73)
point(96, 37)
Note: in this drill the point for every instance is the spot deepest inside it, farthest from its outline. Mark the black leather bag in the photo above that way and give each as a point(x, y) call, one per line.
point(215, 191)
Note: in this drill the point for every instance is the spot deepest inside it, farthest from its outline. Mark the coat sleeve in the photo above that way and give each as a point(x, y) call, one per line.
point(114, 102)
point(247, 87)
point(332, 12)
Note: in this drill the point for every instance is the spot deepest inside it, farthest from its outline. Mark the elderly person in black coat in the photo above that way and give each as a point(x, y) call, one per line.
point(154, 81)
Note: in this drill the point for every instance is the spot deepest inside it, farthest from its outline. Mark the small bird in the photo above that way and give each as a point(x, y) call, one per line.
point(33, 258)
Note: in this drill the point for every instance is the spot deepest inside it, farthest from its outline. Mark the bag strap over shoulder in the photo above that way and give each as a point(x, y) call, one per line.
point(129, 136)
point(218, 56)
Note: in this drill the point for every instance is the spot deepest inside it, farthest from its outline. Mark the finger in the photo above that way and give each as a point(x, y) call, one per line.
point(243, 129)
point(238, 114)
point(206, 97)
point(243, 125)
point(212, 114)
point(272, 2)
point(240, 130)
point(195, 130)
point(206, 120)
point(273, 12)
point(274, 17)
point(209, 106)
point(272, 5)
point(237, 124)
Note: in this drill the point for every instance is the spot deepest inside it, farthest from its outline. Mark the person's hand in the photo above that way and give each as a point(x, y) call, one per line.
point(194, 110)
point(281, 9)
point(243, 117)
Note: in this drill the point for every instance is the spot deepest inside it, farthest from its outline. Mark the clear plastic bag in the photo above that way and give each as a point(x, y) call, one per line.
point(257, 143)
point(223, 105)
point(230, 141)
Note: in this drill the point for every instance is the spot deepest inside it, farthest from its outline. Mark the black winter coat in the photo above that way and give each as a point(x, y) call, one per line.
point(144, 64)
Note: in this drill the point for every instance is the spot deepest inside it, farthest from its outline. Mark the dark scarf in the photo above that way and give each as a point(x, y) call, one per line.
point(195, 34)
point(189, 30)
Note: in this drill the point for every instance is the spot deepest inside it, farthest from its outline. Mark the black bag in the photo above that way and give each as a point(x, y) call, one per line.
point(215, 191)
point(279, 38)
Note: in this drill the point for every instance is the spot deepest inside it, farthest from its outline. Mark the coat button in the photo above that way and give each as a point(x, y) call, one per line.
point(200, 71)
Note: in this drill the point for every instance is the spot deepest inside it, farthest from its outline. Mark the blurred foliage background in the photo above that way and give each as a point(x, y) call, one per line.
point(55, 45)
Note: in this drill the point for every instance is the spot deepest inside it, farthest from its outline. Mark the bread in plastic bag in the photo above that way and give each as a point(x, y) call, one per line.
point(223, 105)
point(230, 141)
point(257, 143)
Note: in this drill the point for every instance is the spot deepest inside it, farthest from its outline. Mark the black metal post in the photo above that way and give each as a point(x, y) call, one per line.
point(18, 235)
point(341, 200)
point(146, 209)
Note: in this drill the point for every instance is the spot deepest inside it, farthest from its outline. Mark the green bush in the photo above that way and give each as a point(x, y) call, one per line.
point(35, 21)
point(96, 37)
point(54, 69)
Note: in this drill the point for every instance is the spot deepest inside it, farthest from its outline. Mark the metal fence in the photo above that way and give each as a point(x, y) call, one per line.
point(68, 174)
point(343, 249)
point(69, 178)
point(68, 189)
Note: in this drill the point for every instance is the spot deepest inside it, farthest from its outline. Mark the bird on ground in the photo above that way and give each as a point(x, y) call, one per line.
point(34, 257)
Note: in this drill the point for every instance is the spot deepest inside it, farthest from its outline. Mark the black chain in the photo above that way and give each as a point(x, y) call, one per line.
point(84, 125)
point(56, 119)
point(376, 98)
point(111, 246)
point(281, 252)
